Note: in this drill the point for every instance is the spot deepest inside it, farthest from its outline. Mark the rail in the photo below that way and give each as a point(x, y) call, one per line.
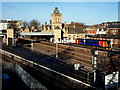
point(24, 61)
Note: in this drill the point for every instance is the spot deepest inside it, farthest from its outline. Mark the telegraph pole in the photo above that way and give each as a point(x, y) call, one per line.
point(84, 41)
point(111, 43)
point(31, 45)
point(94, 62)
point(56, 50)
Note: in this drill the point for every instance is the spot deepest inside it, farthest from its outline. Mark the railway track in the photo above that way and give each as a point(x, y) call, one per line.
point(52, 64)
point(72, 53)
point(68, 54)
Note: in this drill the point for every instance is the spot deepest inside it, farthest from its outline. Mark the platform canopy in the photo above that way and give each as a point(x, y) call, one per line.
point(36, 33)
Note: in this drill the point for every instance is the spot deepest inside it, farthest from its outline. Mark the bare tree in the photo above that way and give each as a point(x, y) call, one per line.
point(25, 24)
point(34, 23)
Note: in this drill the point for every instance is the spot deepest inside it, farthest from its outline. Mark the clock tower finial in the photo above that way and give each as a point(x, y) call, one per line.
point(56, 11)
point(56, 20)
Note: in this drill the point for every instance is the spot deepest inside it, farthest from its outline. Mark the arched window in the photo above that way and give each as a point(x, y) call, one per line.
point(69, 37)
point(56, 20)
point(73, 37)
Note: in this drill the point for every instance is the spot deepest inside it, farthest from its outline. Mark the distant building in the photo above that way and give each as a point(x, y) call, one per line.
point(63, 32)
point(101, 31)
point(4, 24)
point(111, 32)
point(24, 29)
point(91, 30)
point(56, 19)
point(9, 28)
point(111, 24)
point(73, 30)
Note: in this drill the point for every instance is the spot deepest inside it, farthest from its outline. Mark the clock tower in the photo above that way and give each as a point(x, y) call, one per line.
point(56, 21)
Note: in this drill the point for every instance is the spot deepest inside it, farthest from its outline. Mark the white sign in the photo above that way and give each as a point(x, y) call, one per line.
point(111, 41)
point(112, 80)
point(96, 52)
point(76, 66)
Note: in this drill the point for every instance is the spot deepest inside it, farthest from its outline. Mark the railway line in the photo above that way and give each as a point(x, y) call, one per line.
point(52, 64)
point(72, 54)
point(66, 54)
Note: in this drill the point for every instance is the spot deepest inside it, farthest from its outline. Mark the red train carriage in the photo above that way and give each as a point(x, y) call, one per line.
point(92, 42)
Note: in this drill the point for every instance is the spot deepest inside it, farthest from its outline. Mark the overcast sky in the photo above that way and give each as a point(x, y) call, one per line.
point(86, 12)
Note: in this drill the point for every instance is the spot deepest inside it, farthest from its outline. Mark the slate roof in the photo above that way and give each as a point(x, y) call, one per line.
point(57, 27)
point(91, 28)
point(76, 30)
point(23, 28)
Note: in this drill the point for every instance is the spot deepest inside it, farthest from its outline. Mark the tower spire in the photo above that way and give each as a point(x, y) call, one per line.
point(56, 11)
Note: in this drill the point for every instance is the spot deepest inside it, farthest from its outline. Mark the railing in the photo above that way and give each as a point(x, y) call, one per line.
point(32, 63)
point(36, 33)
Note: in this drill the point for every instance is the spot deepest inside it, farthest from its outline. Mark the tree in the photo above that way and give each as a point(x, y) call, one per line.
point(34, 23)
point(25, 24)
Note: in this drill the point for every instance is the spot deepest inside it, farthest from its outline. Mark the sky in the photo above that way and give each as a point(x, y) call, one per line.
point(89, 13)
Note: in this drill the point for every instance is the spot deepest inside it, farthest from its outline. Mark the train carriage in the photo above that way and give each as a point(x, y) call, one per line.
point(92, 42)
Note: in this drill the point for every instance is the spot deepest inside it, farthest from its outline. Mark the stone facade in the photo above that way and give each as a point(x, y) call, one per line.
point(69, 32)
point(91, 30)
point(24, 29)
point(56, 19)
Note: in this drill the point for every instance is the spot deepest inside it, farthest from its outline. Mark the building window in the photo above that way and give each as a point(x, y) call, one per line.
point(56, 20)
point(114, 33)
point(73, 37)
point(58, 39)
point(69, 37)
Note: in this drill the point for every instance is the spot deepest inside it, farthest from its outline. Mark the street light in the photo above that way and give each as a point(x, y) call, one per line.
point(84, 41)
point(94, 62)
point(56, 50)
point(111, 43)
point(32, 45)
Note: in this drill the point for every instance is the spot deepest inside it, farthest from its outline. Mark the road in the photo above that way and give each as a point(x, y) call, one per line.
point(49, 62)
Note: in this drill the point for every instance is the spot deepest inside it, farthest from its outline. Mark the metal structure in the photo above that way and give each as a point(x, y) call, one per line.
point(36, 33)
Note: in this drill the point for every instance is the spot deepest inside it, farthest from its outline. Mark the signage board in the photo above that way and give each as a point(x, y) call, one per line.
point(112, 80)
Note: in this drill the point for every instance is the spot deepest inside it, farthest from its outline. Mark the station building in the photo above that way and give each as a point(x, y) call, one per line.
point(8, 29)
point(63, 32)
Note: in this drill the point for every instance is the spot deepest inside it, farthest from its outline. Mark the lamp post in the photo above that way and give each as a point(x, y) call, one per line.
point(94, 62)
point(84, 41)
point(56, 50)
point(111, 43)
point(68, 40)
point(32, 45)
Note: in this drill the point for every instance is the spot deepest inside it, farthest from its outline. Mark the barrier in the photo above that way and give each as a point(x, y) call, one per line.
point(23, 60)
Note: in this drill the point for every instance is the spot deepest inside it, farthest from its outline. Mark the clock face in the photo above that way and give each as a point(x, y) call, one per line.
point(57, 11)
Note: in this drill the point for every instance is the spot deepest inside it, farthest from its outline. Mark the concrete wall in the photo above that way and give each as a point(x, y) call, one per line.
point(28, 79)
point(10, 36)
point(57, 35)
point(53, 77)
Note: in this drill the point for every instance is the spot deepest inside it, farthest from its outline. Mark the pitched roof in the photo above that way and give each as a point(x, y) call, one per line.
point(23, 28)
point(76, 30)
point(57, 27)
point(107, 36)
point(91, 28)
